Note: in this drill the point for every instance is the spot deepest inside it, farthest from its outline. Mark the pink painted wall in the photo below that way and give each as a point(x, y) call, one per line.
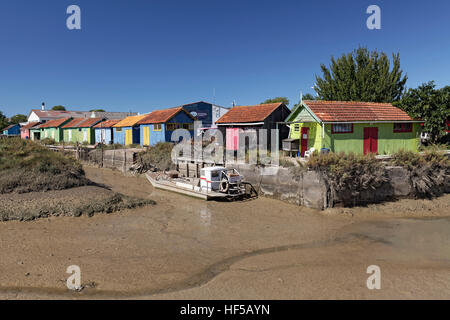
point(232, 139)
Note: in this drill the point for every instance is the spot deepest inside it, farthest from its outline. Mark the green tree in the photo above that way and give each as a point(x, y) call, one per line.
point(18, 118)
point(429, 104)
point(3, 121)
point(362, 76)
point(276, 100)
point(97, 110)
point(59, 108)
point(308, 96)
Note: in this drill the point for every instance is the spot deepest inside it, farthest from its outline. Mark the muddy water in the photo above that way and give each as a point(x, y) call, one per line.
point(188, 248)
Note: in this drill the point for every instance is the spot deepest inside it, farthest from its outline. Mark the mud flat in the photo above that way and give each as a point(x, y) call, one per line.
point(86, 200)
point(183, 248)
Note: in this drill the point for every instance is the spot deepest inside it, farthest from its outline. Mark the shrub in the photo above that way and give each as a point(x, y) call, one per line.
point(158, 157)
point(348, 174)
point(430, 172)
point(48, 141)
point(26, 166)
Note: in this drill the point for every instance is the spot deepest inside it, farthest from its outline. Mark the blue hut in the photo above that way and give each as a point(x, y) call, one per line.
point(159, 125)
point(205, 112)
point(126, 131)
point(104, 131)
point(12, 130)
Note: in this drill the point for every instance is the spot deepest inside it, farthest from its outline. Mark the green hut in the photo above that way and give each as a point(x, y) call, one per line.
point(51, 129)
point(81, 130)
point(358, 127)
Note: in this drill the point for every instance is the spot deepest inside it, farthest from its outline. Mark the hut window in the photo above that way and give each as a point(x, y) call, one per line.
point(118, 129)
point(402, 127)
point(297, 127)
point(172, 126)
point(342, 128)
point(187, 126)
point(157, 127)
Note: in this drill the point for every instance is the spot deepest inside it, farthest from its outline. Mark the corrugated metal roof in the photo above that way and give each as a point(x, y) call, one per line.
point(129, 121)
point(29, 125)
point(54, 123)
point(87, 123)
point(162, 116)
point(348, 111)
point(73, 123)
point(82, 123)
point(106, 124)
point(247, 114)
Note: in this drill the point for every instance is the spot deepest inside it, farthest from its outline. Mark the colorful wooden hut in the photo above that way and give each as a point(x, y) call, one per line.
point(25, 130)
point(245, 119)
point(104, 131)
point(358, 127)
point(126, 131)
point(53, 129)
point(80, 130)
point(12, 130)
point(159, 125)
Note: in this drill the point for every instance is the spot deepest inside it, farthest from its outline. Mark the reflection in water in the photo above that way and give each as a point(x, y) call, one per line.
point(205, 217)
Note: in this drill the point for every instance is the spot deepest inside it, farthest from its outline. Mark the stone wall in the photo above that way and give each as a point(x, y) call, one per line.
point(310, 189)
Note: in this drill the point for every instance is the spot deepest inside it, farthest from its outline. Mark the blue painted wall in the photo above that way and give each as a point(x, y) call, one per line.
point(165, 135)
point(12, 131)
point(119, 136)
point(108, 135)
point(181, 118)
point(202, 111)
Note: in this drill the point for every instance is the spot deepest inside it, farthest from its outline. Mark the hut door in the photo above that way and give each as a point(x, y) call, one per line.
point(85, 135)
point(304, 141)
point(370, 140)
point(128, 137)
point(70, 134)
point(146, 135)
point(232, 138)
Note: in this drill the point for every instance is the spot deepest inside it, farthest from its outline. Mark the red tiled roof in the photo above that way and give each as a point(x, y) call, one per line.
point(54, 123)
point(161, 116)
point(346, 111)
point(29, 125)
point(244, 114)
point(106, 124)
point(82, 123)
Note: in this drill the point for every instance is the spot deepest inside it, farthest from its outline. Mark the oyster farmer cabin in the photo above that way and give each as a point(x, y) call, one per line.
point(358, 127)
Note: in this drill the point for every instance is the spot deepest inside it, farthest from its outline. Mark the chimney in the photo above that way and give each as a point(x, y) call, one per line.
point(43, 106)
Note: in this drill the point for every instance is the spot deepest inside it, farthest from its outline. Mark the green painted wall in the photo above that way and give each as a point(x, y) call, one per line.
point(388, 141)
point(78, 135)
point(52, 133)
point(315, 134)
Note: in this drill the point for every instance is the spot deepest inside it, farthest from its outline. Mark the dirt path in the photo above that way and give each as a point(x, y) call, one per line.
point(186, 248)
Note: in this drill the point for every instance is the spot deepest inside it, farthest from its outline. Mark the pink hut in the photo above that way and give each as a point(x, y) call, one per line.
point(25, 130)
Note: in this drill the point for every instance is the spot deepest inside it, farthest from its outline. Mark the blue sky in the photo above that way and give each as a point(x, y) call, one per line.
point(142, 55)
